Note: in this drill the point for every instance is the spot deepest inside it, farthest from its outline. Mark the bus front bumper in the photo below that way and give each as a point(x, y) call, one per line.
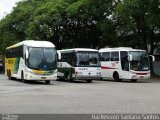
point(40, 77)
point(140, 76)
point(87, 77)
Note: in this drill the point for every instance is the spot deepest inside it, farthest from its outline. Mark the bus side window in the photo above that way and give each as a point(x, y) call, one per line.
point(124, 60)
point(73, 58)
point(105, 56)
point(114, 56)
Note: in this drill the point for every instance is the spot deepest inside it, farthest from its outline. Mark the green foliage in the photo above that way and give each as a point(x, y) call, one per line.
point(84, 23)
point(140, 18)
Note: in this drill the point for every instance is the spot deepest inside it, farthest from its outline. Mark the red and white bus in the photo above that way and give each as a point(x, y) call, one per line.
point(124, 63)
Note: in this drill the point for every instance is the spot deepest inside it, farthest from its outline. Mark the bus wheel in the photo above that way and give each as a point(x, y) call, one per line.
point(9, 75)
point(89, 81)
point(116, 77)
point(47, 81)
point(67, 76)
point(134, 80)
point(22, 77)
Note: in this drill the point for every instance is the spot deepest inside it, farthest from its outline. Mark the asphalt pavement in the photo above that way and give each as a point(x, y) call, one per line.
point(61, 97)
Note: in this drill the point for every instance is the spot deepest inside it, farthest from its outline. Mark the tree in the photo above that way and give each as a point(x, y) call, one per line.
point(84, 23)
point(47, 22)
point(141, 21)
point(12, 27)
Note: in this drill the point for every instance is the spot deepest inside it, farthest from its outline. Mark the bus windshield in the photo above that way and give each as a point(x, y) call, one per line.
point(42, 58)
point(140, 61)
point(88, 59)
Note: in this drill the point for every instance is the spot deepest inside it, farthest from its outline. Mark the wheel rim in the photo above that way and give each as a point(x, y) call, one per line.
point(67, 76)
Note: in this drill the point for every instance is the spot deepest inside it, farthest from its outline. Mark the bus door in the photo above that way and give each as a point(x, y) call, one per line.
point(115, 63)
point(105, 64)
point(124, 64)
point(26, 57)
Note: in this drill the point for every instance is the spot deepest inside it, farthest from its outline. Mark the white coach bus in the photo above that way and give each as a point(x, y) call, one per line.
point(124, 63)
point(31, 60)
point(79, 64)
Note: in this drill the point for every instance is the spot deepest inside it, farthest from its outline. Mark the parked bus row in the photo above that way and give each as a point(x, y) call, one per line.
point(39, 60)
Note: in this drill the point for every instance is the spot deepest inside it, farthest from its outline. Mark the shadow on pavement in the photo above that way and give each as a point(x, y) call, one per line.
point(75, 81)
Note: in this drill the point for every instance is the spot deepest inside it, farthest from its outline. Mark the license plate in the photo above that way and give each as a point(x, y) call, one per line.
point(43, 78)
point(141, 76)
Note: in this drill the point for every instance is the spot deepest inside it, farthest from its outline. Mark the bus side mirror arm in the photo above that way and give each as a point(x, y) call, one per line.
point(59, 55)
point(27, 54)
point(153, 58)
point(130, 58)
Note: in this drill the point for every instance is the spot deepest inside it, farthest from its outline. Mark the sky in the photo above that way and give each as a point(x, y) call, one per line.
point(6, 7)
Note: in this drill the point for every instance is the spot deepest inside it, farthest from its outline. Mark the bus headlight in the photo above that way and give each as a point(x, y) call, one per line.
point(30, 72)
point(98, 73)
point(79, 73)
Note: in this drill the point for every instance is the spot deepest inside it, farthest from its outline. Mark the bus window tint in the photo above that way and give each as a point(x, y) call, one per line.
point(48, 53)
point(93, 59)
point(140, 61)
point(124, 60)
point(105, 56)
point(114, 56)
point(82, 59)
point(35, 58)
point(50, 58)
point(88, 59)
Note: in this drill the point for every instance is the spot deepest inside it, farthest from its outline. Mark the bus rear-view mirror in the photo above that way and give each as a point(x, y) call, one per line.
point(27, 54)
point(152, 58)
point(130, 58)
point(59, 55)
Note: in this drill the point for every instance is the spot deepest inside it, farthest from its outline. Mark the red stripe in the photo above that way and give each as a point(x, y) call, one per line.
point(141, 73)
point(104, 67)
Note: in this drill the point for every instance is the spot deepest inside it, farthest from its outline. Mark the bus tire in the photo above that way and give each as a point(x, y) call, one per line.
point(134, 80)
point(47, 81)
point(22, 77)
point(71, 79)
point(67, 76)
point(9, 75)
point(89, 81)
point(116, 77)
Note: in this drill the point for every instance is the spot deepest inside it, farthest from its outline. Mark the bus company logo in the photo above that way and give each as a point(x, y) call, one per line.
point(82, 68)
point(113, 64)
point(89, 73)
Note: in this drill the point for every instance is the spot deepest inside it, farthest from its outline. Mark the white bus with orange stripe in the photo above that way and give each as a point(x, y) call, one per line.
point(124, 63)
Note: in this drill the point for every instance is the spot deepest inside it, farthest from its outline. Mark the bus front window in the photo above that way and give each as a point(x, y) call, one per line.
point(35, 58)
point(87, 59)
point(50, 58)
point(42, 58)
point(94, 59)
point(140, 61)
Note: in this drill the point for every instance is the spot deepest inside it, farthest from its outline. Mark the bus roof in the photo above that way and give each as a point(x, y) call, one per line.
point(119, 49)
point(33, 43)
point(79, 49)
